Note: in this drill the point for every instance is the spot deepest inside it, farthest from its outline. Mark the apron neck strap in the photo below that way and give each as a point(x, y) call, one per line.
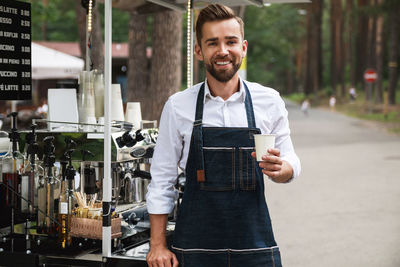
point(198, 128)
point(249, 108)
point(247, 102)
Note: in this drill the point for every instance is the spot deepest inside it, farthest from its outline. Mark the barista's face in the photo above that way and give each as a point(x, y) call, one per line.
point(222, 49)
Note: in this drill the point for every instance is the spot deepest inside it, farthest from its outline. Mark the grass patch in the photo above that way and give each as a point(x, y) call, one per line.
point(390, 117)
point(296, 97)
point(395, 130)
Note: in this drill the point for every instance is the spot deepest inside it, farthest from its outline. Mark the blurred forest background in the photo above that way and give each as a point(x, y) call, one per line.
point(309, 51)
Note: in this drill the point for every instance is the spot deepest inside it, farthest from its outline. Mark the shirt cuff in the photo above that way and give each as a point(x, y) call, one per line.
point(294, 162)
point(160, 201)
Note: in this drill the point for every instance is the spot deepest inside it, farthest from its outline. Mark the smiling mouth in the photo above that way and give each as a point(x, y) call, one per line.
point(222, 63)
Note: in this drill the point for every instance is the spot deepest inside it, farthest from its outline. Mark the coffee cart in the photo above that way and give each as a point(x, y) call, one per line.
point(121, 171)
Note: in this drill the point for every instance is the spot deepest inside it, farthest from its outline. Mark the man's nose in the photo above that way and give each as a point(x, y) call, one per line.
point(222, 50)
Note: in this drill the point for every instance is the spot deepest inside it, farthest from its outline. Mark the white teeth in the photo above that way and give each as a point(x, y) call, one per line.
point(223, 63)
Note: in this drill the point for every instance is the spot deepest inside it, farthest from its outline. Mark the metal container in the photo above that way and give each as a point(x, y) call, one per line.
point(133, 189)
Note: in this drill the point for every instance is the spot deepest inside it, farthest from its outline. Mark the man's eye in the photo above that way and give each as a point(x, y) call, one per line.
point(212, 44)
point(231, 42)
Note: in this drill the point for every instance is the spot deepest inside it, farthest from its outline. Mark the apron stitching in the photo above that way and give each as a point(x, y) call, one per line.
point(253, 172)
point(216, 148)
point(229, 258)
point(241, 169)
point(247, 172)
point(183, 260)
point(224, 249)
point(250, 164)
point(273, 260)
point(197, 148)
point(233, 170)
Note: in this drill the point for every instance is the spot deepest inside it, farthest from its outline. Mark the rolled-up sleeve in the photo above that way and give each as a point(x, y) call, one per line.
point(282, 138)
point(161, 194)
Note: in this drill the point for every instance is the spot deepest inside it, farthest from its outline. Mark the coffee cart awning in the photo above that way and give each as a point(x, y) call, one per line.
point(48, 63)
point(141, 6)
point(182, 4)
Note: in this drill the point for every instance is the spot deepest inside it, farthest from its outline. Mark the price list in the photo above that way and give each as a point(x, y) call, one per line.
point(15, 50)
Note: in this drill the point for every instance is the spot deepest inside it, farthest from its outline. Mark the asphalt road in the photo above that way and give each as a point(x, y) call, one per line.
point(344, 209)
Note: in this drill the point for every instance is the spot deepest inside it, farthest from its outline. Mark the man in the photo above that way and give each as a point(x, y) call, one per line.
point(207, 130)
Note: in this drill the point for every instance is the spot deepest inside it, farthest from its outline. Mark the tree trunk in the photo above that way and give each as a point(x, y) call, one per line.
point(96, 39)
point(97, 54)
point(333, 47)
point(371, 62)
point(313, 74)
point(81, 23)
point(308, 77)
point(393, 53)
point(340, 55)
point(350, 41)
point(166, 73)
point(379, 56)
point(336, 46)
point(361, 44)
point(317, 53)
point(138, 69)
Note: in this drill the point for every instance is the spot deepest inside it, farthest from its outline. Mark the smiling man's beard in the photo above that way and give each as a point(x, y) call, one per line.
point(223, 75)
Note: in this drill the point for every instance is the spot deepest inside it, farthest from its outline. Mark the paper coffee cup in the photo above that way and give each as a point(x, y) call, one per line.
point(117, 109)
point(263, 143)
point(133, 114)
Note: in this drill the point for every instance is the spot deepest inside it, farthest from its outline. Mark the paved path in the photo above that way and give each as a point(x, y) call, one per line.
point(344, 210)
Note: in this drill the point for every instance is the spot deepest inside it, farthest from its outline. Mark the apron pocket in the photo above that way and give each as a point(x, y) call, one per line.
point(219, 165)
point(247, 169)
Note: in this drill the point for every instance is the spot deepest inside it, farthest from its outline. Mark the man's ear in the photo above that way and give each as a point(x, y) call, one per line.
point(197, 51)
point(244, 48)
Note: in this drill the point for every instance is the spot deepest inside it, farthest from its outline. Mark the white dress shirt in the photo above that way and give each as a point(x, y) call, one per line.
point(173, 143)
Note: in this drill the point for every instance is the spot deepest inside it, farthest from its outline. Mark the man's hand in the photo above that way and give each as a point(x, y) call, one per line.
point(160, 256)
point(272, 165)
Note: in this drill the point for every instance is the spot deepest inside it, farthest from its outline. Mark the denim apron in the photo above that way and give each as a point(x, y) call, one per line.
point(223, 219)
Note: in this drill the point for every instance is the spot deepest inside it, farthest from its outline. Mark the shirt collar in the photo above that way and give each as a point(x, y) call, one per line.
point(238, 96)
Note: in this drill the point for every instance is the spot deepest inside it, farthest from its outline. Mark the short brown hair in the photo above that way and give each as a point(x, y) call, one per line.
point(215, 12)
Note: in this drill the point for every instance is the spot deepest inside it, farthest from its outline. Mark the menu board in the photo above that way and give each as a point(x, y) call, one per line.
point(15, 50)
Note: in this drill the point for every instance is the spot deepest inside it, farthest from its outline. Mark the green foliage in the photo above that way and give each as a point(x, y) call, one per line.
point(326, 45)
point(296, 97)
point(120, 24)
point(60, 18)
point(272, 34)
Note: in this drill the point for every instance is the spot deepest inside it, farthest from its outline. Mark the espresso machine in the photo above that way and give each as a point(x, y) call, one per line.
point(64, 172)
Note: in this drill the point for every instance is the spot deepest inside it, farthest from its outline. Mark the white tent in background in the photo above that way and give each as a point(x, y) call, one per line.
point(48, 63)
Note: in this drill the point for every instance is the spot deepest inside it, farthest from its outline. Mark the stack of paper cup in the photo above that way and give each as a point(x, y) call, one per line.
point(90, 128)
point(133, 114)
point(99, 94)
point(86, 104)
point(117, 109)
